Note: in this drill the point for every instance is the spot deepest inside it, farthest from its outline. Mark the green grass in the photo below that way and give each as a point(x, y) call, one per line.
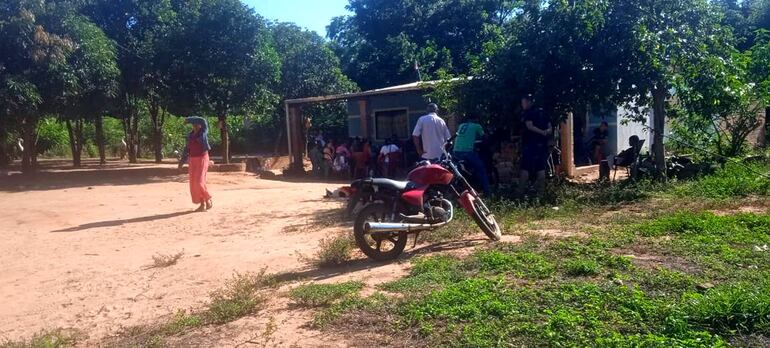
point(735, 308)
point(57, 338)
point(518, 263)
point(321, 295)
point(734, 180)
point(182, 321)
point(239, 297)
point(428, 273)
point(582, 268)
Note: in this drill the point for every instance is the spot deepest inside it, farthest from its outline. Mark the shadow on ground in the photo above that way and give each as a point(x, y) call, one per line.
point(112, 223)
point(317, 274)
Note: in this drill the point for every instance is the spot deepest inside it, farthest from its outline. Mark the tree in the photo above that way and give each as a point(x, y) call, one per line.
point(650, 40)
point(224, 63)
point(33, 74)
point(138, 27)
point(380, 44)
point(93, 67)
point(308, 68)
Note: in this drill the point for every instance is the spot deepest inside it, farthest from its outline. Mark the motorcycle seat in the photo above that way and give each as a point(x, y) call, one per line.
point(393, 184)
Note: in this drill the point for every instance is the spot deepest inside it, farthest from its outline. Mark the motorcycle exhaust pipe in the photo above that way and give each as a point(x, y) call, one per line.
point(382, 227)
point(385, 227)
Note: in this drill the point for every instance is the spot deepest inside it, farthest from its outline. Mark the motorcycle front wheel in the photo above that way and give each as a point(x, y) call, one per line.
point(379, 246)
point(485, 219)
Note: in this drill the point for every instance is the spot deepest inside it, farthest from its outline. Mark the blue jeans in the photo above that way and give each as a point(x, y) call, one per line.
point(476, 165)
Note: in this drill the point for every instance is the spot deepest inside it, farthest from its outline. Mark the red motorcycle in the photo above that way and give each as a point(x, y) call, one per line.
point(396, 209)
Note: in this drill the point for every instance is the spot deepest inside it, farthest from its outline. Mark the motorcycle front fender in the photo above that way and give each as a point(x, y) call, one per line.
point(466, 201)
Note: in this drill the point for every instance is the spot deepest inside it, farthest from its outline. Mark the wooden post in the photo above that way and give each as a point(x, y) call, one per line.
point(296, 137)
point(364, 118)
point(288, 131)
point(567, 147)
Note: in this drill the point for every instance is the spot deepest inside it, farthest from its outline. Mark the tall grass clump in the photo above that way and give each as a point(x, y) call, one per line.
point(733, 180)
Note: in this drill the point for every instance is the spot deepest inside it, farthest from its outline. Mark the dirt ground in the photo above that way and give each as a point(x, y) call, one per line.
point(76, 245)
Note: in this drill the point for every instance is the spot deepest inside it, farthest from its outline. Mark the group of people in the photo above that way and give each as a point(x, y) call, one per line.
point(357, 157)
point(354, 158)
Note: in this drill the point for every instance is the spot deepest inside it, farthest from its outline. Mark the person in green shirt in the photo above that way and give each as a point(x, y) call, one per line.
point(464, 149)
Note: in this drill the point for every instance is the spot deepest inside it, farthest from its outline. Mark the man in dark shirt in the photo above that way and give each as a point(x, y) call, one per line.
point(537, 131)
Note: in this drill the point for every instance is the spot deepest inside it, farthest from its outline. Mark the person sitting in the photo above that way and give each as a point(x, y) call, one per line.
point(627, 157)
point(389, 157)
point(600, 139)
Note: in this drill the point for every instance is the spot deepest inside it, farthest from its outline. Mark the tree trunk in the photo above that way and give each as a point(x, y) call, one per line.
point(157, 131)
point(659, 128)
point(29, 155)
point(225, 138)
point(99, 128)
point(76, 141)
point(130, 128)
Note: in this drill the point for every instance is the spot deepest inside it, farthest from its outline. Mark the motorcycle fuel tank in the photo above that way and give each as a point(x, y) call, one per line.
point(432, 174)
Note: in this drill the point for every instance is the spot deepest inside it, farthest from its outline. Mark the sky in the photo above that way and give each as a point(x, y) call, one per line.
point(311, 14)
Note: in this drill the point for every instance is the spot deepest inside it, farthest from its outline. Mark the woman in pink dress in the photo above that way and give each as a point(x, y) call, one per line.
point(196, 153)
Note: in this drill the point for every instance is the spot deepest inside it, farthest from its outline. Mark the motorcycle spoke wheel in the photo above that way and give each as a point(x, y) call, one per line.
point(379, 245)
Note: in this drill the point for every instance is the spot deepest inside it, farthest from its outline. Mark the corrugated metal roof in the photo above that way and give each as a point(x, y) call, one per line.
point(414, 86)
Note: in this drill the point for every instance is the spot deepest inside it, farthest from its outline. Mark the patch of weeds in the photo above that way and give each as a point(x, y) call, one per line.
point(582, 267)
point(57, 338)
point(321, 295)
point(332, 251)
point(734, 180)
point(664, 281)
point(376, 305)
point(163, 260)
point(520, 263)
point(181, 322)
point(239, 297)
point(742, 308)
point(428, 272)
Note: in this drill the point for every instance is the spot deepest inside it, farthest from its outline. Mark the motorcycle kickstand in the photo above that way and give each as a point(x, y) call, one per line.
point(416, 237)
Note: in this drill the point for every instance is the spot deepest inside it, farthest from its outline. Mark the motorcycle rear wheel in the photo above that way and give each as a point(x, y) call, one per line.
point(372, 245)
point(485, 220)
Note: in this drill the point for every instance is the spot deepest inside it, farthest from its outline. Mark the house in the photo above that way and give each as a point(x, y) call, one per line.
point(381, 113)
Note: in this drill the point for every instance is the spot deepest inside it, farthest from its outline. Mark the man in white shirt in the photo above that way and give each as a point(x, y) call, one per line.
point(430, 134)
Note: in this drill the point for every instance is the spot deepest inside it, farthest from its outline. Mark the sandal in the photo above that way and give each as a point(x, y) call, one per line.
point(209, 204)
point(201, 208)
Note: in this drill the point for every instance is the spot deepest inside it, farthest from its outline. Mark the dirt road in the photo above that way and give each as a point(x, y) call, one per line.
point(76, 244)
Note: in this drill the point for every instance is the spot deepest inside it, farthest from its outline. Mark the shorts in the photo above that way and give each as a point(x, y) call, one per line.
point(534, 159)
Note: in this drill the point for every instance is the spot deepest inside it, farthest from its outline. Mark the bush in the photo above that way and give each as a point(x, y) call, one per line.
point(237, 298)
point(321, 295)
point(333, 251)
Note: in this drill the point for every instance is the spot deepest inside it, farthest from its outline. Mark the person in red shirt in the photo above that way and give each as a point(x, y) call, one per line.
point(196, 153)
